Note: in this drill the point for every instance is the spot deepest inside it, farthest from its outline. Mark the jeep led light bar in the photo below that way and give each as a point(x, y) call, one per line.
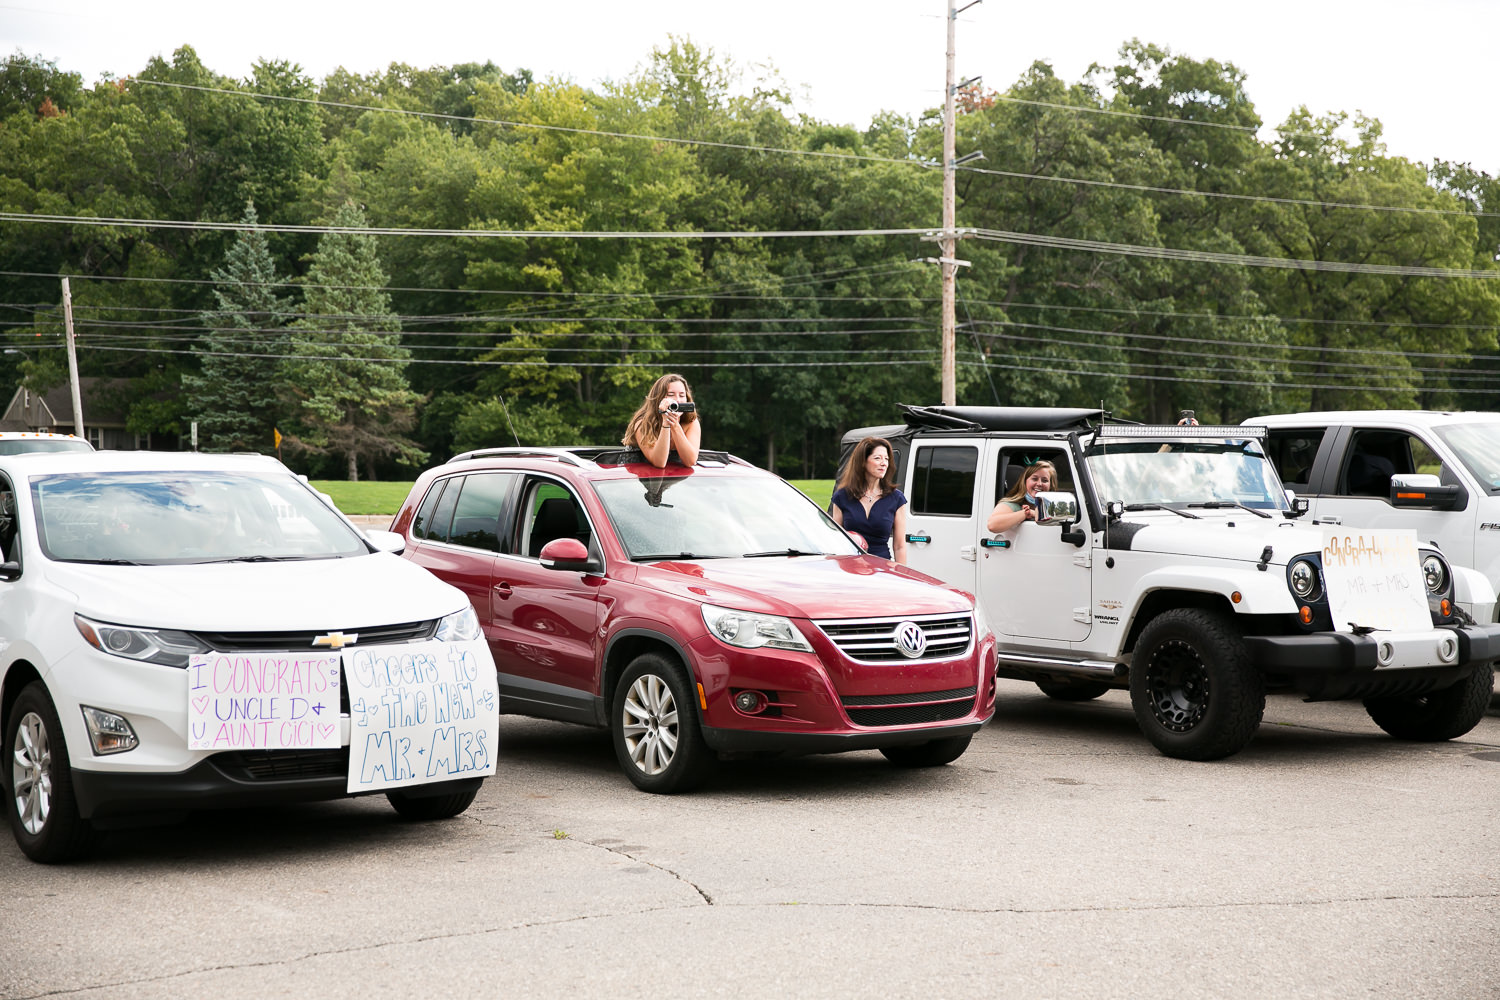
point(1162, 432)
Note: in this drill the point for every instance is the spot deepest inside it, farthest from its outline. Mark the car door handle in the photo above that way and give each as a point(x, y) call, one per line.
point(994, 543)
point(919, 538)
point(503, 590)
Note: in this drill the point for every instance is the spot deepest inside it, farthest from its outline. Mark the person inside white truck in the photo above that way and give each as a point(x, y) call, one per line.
point(1020, 503)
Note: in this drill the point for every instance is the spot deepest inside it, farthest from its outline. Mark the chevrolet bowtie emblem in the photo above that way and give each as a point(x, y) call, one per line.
point(336, 640)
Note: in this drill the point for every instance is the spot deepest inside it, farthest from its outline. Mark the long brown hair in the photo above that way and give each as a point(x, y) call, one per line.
point(855, 481)
point(647, 419)
point(1018, 494)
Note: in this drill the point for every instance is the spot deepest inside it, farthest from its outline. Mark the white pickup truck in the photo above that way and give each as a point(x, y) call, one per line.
point(1169, 561)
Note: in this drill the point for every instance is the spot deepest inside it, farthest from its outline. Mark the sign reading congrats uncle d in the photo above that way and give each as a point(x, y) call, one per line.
point(263, 701)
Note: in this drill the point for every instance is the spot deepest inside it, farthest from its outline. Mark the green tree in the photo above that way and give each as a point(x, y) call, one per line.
point(234, 395)
point(347, 371)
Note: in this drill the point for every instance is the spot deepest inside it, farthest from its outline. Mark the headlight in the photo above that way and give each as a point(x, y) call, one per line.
point(1435, 573)
point(1304, 579)
point(168, 647)
point(460, 626)
point(748, 630)
point(981, 623)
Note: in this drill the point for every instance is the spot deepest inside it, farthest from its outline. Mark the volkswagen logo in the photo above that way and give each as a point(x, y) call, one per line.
point(910, 640)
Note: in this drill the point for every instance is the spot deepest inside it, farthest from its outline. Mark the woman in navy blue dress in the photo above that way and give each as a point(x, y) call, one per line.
point(868, 502)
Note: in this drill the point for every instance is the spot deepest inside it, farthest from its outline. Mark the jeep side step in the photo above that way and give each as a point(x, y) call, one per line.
point(1023, 667)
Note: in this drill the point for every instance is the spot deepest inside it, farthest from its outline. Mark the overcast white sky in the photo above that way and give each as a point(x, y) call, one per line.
point(1425, 70)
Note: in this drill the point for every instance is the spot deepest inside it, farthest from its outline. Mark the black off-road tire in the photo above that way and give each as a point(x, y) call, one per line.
point(655, 728)
point(60, 834)
point(1078, 690)
point(1195, 692)
point(425, 808)
point(934, 753)
point(1438, 715)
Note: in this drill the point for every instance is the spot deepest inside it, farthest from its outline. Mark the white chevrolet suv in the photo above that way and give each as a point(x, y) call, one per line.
point(181, 631)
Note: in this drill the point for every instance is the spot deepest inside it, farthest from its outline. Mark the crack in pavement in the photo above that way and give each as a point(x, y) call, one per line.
point(620, 852)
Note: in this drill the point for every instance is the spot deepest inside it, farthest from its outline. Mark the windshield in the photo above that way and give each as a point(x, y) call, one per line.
point(707, 517)
point(1185, 472)
point(1478, 447)
point(155, 518)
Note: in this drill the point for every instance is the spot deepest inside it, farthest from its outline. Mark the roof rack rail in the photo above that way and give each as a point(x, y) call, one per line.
point(634, 456)
point(1001, 418)
point(563, 453)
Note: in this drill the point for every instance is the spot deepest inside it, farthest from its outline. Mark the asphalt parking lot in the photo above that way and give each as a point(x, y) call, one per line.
point(1060, 857)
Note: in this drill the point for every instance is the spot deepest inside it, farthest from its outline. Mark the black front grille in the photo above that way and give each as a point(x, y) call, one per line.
point(910, 715)
point(864, 700)
point(283, 765)
point(251, 642)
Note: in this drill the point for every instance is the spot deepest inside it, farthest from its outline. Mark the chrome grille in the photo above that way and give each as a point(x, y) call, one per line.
point(252, 642)
point(873, 640)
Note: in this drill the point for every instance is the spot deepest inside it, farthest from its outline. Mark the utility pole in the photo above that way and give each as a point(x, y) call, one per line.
point(948, 240)
point(72, 359)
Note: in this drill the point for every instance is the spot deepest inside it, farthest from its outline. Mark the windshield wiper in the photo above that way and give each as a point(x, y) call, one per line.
point(671, 555)
point(1227, 504)
point(108, 562)
point(781, 552)
point(259, 558)
point(1160, 506)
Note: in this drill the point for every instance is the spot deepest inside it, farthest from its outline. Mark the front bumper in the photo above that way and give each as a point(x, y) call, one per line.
point(228, 780)
point(760, 741)
point(1347, 653)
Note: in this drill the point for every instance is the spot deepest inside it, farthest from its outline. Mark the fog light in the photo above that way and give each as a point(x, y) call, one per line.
point(109, 733)
point(1448, 649)
point(750, 702)
point(1306, 615)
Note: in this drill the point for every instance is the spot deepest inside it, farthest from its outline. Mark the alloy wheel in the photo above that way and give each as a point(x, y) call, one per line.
point(649, 726)
point(31, 773)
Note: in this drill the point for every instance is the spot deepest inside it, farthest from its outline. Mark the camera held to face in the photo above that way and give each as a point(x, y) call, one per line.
point(676, 407)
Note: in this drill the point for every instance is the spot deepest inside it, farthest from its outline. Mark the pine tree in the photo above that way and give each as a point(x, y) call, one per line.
point(233, 397)
point(348, 367)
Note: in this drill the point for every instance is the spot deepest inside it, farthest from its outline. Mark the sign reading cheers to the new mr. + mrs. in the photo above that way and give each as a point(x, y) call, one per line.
point(418, 713)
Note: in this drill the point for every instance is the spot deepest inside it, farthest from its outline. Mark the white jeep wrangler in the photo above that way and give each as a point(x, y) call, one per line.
point(1171, 561)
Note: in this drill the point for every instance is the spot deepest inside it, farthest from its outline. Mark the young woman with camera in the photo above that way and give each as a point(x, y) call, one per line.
point(666, 422)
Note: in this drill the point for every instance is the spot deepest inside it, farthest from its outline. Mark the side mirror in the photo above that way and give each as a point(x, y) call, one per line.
point(1061, 508)
point(386, 541)
point(567, 554)
point(1056, 508)
point(1426, 492)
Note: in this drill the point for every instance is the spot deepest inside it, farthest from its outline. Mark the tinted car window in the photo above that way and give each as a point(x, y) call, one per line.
point(476, 516)
point(442, 513)
point(1291, 451)
point(944, 480)
point(421, 524)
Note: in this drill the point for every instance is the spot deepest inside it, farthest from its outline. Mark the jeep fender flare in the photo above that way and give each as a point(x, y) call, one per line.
point(1261, 592)
point(1473, 592)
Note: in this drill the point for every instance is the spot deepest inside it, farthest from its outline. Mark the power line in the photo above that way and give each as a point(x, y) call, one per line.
point(237, 227)
point(1212, 257)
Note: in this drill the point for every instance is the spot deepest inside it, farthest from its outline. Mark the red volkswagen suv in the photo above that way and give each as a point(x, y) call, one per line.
point(697, 612)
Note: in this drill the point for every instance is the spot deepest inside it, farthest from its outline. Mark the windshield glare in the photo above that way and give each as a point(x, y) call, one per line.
point(719, 518)
point(1478, 447)
point(185, 517)
point(1185, 472)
